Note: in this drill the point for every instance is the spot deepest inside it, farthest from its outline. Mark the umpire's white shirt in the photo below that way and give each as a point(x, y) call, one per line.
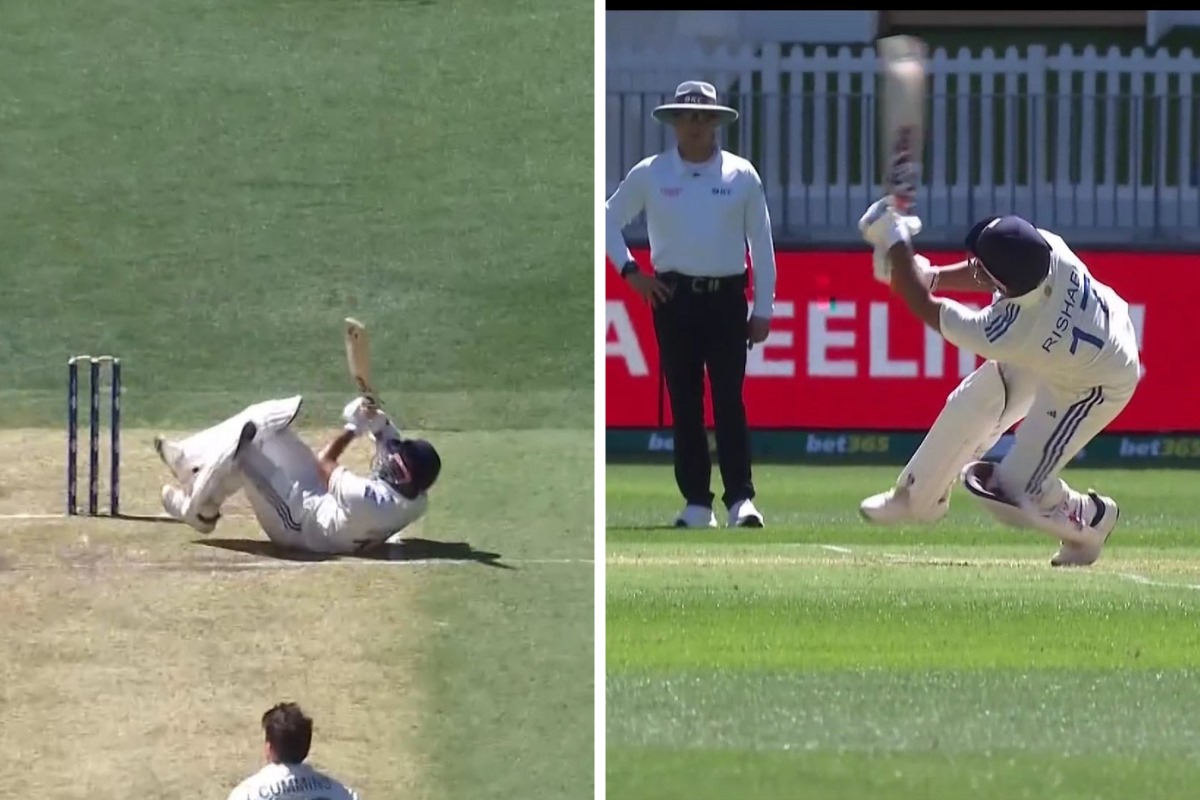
point(700, 218)
point(291, 782)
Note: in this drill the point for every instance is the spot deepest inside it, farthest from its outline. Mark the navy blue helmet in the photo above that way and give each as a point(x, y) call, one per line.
point(1011, 251)
point(410, 466)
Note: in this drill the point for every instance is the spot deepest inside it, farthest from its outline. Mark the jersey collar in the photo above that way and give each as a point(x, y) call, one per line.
point(683, 168)
point(1043, 290)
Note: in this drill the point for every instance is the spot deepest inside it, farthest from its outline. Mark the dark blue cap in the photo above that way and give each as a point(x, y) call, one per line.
point(423, 462)
point(976, 229)
point(1012, 251)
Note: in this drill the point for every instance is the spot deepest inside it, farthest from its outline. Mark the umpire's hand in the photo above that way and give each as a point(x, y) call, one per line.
point(649, 288)
point(757, 330)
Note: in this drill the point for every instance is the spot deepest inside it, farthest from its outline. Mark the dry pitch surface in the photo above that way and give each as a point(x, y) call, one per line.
point(141, 655)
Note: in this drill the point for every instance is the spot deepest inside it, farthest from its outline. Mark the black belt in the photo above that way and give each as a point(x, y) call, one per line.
point(702, 284)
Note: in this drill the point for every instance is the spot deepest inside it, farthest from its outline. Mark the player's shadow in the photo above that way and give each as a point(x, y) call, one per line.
point(403, 550)
point(157, 518)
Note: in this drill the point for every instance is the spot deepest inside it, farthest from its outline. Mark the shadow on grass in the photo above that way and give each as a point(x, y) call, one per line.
point(160, 518)
point(404, 550)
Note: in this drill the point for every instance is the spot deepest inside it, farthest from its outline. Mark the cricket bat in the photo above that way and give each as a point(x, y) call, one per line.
point(358, 358)
point(902, 62)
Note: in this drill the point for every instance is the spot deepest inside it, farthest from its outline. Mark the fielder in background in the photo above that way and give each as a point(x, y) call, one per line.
point(303, 500)
point(703, 206)
point(1061, 354)
point(287, 733)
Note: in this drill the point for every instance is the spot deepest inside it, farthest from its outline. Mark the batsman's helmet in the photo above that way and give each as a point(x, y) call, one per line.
point(410, 466)
point(1012, 252)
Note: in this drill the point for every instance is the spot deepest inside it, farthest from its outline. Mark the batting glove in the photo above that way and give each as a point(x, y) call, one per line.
point(357, 415)
point(882, 226)
point(377, 423)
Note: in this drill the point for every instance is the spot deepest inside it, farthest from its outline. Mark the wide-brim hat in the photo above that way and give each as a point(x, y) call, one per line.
point(695, 96)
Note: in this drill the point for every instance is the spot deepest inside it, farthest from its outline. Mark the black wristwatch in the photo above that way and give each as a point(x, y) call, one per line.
point(629, 268)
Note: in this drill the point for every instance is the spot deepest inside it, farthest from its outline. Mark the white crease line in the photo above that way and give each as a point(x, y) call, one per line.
point(1144, 581)
point(285, 564)
point(847, 551)
point(272, 565)
point(139, 517)
point(893, 557)
point(254, 566)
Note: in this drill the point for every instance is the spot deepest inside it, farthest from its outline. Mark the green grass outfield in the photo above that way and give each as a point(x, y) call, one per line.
point(205, 188)
point(822, 658)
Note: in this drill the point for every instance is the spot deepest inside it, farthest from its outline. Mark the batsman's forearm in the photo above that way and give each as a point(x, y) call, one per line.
point(905, 281)
point(907, 284)
point(960, 277)
point(327, 459)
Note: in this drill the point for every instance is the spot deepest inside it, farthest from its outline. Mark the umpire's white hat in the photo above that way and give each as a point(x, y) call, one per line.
point(695, 96)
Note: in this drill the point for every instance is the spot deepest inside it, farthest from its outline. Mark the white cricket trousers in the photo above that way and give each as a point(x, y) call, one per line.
point(1055, 424)
point(278, 471)
point(281, 480)
point(1058, 424)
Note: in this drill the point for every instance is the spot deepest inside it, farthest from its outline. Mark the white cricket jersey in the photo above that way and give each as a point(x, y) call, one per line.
point(699, 218)
point(291, 782)
point(1074, 332)
point(357, 510)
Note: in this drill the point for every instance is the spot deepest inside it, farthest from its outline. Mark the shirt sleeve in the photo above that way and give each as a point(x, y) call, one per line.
point(358, 497)
point(995, 332)
point(627, 202)
point(762, 248)
point(363, 506)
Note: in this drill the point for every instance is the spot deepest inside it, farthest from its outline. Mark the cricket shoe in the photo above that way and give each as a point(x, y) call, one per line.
point(174, 500)
point(171, 454)
point(249, 431)
point(894, 507)
point(1103, 522)
point(696, 517)
point(743, 514)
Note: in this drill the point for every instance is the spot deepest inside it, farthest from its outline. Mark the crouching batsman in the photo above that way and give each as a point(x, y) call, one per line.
point(1061, 357)
point(302, 499)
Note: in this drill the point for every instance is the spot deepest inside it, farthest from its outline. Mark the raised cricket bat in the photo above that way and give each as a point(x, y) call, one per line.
point(902, 62)
point(358, 358)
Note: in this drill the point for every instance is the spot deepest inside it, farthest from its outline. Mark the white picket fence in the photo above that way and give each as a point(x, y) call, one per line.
point(1097, 143)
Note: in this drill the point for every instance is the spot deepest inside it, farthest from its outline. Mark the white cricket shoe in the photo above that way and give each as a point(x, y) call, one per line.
point(893, 508)
point(171, 454)
point(696, 517)
point(174, 500)
point(1084, 554)
point(743, 514)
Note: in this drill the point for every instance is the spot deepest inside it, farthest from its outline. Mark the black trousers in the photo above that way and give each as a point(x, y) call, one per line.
point(703, 325)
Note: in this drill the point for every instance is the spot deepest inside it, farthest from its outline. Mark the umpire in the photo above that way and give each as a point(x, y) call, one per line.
point(703, 206)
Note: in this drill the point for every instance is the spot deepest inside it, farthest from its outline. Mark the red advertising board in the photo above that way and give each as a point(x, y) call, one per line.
point(843, 353)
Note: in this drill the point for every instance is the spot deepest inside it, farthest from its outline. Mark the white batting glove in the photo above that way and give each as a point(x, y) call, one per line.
point(357, 415)
point(377, 422)
point(386, 432)
point(882, 226)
